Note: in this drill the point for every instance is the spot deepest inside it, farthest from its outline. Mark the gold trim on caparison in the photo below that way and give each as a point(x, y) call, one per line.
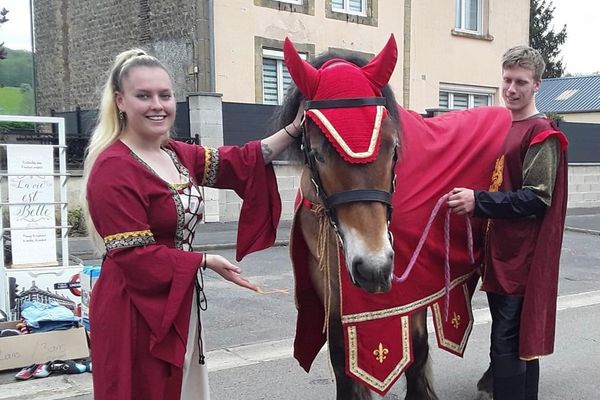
point(364, 375)
point(404, 309)
point(439, 326)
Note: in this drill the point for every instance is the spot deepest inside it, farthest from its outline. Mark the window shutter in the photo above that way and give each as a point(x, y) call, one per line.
point(269, 81)
point(337, 4)
point(443, 100)
point(287, 79)
point(356, 6)
point(480, 100)
point(461, 101)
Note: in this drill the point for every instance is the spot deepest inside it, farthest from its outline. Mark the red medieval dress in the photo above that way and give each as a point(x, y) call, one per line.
point(144, 338)
point(522, 254)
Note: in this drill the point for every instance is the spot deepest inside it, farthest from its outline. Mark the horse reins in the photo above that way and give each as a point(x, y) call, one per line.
point(331, 201)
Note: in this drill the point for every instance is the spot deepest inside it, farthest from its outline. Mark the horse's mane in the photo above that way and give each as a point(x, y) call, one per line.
point(286, 113)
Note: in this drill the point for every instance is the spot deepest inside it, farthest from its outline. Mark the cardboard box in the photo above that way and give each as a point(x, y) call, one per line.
point(60, 284)
point(36, 348)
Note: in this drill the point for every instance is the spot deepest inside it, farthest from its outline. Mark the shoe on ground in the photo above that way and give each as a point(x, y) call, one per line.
point(42, 370)
point(26, 372)
point(67, 367)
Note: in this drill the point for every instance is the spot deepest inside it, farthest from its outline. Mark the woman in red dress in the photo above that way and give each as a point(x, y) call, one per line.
point(144, 203)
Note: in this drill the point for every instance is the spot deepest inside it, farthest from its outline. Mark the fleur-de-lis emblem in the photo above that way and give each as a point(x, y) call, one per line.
point(380, 353)
point(455, 320)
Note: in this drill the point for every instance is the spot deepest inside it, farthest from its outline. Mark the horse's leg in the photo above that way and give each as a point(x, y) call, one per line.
point(346, 387)
point(486, 385)
point(418, 376)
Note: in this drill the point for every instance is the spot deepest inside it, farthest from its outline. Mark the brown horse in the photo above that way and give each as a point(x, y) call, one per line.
point(345, 202)
point(349, 204)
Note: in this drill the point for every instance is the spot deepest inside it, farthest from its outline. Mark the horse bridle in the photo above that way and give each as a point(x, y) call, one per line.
point(329, 202)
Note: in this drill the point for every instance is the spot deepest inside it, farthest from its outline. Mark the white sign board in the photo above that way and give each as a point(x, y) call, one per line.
point(33, 246)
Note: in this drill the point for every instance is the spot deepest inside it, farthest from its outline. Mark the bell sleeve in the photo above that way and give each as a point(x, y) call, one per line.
point(157, 278)
point(243, 170)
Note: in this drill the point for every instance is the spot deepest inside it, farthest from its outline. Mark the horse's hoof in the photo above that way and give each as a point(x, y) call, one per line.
point(484, 396)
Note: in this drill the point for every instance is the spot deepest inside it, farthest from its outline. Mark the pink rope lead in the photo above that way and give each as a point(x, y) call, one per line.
point(424, 235)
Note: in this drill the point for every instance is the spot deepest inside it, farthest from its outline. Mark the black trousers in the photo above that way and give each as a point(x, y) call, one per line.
point(514, 379)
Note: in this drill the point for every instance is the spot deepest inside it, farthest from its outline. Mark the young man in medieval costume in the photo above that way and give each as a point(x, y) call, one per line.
point(526, 205)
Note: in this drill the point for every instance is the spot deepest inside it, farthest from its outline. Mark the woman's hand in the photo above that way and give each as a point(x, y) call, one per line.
point(297, 122)
point(228, 271)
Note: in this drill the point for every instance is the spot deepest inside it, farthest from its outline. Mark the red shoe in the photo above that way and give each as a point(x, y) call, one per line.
point(42, 370)
point(26, 372)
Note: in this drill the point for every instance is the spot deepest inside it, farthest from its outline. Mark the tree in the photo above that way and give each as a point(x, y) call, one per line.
point(3, 19)
point(543, 38)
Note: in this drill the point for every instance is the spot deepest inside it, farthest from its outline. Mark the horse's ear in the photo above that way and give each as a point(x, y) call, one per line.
point(379, 69)
point(305, 76)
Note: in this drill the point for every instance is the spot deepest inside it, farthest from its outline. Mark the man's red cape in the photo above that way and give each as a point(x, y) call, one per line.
point(456, 149)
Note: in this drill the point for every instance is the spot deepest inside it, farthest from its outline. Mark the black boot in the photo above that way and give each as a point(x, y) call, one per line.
point(509, 375)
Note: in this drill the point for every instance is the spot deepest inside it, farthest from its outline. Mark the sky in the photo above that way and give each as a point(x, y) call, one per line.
point(579, 52)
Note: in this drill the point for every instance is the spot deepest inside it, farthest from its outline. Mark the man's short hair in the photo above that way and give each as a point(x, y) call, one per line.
point(524, 57)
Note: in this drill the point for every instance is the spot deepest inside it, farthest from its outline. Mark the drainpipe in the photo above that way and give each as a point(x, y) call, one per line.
point(211, 45)
point(32, 31)
point(406, 54)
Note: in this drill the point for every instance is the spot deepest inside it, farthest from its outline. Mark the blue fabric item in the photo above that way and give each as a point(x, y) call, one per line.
point(41, 317)
point(92, 270)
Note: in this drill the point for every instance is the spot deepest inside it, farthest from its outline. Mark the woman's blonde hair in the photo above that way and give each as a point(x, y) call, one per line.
point(109, 126)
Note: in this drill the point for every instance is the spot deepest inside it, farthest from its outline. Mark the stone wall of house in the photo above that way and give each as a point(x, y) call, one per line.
point(584, 192)
point(584, 186)
point(76, 43)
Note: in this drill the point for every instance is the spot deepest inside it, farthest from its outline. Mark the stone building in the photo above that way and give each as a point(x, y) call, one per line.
point(76, 42)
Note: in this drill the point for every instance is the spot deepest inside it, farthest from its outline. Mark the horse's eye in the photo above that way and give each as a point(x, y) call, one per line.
point(318, 156)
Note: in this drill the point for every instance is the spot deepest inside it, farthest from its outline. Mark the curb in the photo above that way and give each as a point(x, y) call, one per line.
point(581, 230)
point(231, 246)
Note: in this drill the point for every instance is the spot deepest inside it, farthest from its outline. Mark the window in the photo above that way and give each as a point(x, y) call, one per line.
point(296, 6)
point(275, 76)
point(355, 7)
point(458, 97)
point(469, 15)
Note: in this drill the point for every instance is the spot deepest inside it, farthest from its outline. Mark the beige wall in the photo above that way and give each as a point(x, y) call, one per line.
point(592, 117)
point(238, 22)
point(436, 55)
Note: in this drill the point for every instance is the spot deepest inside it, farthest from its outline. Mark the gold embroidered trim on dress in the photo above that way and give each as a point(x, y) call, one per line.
point(129, 239)
point(211, 166)
point(179, 186)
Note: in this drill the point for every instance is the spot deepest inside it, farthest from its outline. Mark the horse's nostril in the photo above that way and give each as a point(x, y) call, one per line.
point(358, 265)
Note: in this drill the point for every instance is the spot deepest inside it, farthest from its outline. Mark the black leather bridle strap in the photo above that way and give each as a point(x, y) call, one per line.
point(343, 103)
point(353, 196)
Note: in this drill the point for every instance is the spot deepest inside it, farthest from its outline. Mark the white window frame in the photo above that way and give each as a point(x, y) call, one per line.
point(346, 8)
point(461, 16)
point(470, 91)
point(276, 55)
point(298, 2)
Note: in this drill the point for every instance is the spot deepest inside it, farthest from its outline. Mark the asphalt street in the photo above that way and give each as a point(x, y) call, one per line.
point(249, 337)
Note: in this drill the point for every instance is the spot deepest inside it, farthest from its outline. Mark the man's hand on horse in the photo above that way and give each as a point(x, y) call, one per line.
point(461, 201)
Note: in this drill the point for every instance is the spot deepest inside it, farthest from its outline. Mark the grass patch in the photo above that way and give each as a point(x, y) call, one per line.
point(10, 100)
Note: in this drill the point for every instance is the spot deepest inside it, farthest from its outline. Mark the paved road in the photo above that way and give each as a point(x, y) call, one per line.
point(249, 340)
